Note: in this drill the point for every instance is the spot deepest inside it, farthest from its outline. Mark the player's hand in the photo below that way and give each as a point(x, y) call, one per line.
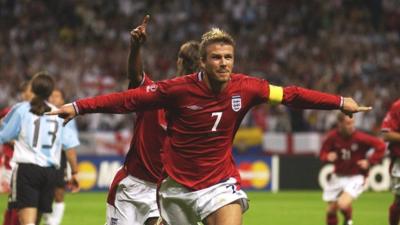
point(138, 35)
point(331, 157)
point(67, 112)
point(350, 106)
point(363, 164)
point(73, 184)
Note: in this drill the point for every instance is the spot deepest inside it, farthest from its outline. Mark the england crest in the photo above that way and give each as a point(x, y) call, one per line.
point(236, 103)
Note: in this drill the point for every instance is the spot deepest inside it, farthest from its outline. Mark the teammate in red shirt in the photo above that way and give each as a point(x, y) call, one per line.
point(204, 112)
point(347, 148)
point(391, 134)
point(132, 195)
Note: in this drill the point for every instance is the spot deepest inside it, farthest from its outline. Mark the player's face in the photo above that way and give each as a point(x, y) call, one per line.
point(347, 126)
point(218, 63)
point(56, 98)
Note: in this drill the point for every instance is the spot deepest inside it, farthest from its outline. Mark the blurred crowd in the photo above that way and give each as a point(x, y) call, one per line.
point(349, 47)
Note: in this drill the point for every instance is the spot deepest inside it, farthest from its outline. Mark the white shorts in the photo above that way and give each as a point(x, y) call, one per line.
point(395, 174)
point(353, 185)
point(135, 202)
point(178, 205)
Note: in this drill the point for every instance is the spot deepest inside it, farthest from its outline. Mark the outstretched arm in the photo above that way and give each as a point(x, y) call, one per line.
point(135, 66)
point(139, 99)
point(302, 98)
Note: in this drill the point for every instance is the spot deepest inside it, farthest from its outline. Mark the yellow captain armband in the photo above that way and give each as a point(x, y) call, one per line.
point(275, 94)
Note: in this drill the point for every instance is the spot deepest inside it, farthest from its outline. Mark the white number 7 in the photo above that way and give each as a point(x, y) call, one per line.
point(218, 115)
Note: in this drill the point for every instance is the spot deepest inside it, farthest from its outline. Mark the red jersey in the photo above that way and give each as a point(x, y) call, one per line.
point(391, 123)
point(202, 124)
point(350, 150)
point(143, 159)
point(8, 149)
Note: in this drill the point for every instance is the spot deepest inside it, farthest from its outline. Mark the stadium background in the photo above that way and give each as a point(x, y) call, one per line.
point(349, 47)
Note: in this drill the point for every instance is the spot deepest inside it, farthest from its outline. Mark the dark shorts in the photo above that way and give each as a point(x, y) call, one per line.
point(61, 172)
point(33, 186)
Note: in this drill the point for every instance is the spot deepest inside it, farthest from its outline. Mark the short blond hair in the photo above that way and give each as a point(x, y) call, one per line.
point(213, 36)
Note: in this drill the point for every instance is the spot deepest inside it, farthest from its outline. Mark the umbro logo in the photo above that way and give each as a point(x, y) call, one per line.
point(194, 107)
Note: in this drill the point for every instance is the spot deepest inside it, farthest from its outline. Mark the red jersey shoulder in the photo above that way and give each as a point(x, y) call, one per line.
point(332, 134)
point(4, 112)
point(177, 84)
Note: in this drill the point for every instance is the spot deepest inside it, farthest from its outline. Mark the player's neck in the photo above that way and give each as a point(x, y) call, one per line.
point(215, 86)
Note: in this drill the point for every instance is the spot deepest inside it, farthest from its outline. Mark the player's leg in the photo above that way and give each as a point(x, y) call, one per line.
point(330, 196)
point(177, 203)
point(222, 203)
point(47, 192)
point(354, 187)
point(27, 215)
point(344, 204)
point(26, 192)
point(331, 213)
point(230, 214)
point(56, 216)
point(131, 201)
point(394, 211)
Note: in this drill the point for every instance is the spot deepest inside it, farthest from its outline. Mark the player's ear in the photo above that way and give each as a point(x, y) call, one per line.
point(203, 61)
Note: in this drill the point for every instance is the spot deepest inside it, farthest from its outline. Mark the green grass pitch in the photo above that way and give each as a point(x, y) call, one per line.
point(283, 208)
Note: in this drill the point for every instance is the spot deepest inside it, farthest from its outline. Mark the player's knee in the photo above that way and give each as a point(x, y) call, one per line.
point(332, 207)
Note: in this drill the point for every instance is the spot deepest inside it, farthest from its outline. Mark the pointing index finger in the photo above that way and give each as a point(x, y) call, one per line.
point(145, 20)
point(364, 108)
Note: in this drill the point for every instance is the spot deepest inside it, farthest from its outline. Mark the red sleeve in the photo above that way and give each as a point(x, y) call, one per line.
point(4, 112)
point(297, 97)
point(327, 147)
point(377, 144)
point(139, 99)
point(391, 122)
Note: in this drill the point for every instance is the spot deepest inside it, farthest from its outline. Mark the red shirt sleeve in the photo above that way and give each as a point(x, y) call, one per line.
point(148, 97)
point(297, 97)
point(4, 112)
point(377, 144)
point(391, 122)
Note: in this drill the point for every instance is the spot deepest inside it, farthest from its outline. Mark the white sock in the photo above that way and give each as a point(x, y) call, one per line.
point(57, 214)
point(47, 218)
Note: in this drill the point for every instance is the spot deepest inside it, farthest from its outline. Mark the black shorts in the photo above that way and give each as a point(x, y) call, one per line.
point(61, 172)
point(33, 186)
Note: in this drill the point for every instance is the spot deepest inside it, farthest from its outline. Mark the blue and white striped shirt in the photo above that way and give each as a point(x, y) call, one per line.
point(38, 139)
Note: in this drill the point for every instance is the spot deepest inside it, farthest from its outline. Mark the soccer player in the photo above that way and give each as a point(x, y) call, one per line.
point(37, 148)
point(57, 98)
point(391, 134)
point(10, 215)
point(132, 196)
point(347, 148)
point(204, 111)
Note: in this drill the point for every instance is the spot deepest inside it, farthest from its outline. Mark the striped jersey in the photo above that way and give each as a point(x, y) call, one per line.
point(38, 139)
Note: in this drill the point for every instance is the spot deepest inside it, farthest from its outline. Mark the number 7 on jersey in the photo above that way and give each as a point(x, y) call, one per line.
point(218, 115)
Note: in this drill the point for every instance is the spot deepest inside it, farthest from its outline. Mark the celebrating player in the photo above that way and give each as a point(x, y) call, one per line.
point(204, 112)
point(132, 195)
point(391, 134)
point(347, 148)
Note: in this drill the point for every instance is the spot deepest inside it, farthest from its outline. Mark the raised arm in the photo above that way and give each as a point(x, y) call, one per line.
point(135, 66)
